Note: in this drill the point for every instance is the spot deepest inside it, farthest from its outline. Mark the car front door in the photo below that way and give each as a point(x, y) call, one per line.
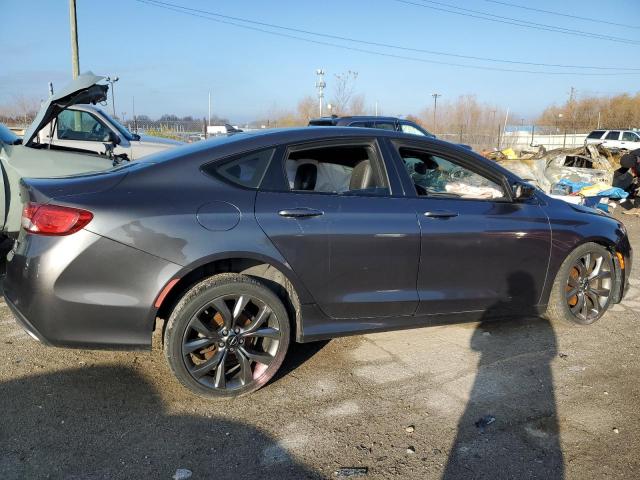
point(630, 140)
point(80, 129)
point(479, 250)
point(340, 221)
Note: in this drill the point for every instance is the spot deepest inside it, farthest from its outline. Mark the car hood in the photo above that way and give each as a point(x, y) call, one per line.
point(83, 89)
point(148, 139)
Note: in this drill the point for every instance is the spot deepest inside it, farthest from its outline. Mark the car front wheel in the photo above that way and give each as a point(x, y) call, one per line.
point(227, 336)
point(583, 287)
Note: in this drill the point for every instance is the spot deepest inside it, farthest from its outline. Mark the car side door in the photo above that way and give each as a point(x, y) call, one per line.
point(79, 129)
point(629, 140)
point(339, 217)
point(479, 249)
point(612, 139)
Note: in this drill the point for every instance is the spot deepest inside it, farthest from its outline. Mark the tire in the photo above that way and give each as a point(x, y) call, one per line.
point(581, 293)
point(227, 336)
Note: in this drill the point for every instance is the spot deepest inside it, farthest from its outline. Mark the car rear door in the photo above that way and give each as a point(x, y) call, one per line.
point(348, 232)
point(612, 139)
point(479, 250)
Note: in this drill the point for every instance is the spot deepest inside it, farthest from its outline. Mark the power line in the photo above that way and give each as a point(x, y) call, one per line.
point(208, 16)
point(560, 14)
point(387, 45)
point(514, 21)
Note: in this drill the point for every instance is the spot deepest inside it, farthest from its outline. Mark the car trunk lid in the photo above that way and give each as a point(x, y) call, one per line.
point(83, 89)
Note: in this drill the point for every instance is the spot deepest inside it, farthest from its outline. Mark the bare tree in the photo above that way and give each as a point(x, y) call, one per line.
point(307, 109)
point(343, 91)
point(357, 105)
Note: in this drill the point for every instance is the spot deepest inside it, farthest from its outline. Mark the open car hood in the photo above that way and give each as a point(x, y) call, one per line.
point(82, 90)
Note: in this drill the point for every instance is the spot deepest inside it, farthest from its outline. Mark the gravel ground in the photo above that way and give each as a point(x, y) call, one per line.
point(403, 404)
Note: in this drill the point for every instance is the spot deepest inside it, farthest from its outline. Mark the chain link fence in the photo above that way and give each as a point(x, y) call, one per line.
point(519, 137)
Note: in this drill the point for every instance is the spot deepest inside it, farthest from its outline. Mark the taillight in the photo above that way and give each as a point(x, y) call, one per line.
point(53, 219)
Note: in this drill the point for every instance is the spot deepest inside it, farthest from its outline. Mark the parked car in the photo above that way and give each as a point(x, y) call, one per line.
point(32, 156)
point(622, 139)
point(248, 242)
point(384, 123)
point(88, 127)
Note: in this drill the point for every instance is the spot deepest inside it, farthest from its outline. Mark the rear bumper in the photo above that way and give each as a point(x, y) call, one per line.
point(84, 290)
point(24, 323)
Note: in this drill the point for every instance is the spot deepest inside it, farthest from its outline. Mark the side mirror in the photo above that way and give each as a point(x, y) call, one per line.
point(523, 191)
point(114, 138)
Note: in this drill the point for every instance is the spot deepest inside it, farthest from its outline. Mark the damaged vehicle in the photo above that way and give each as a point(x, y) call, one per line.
point(589, 164)
point(52, 147)
point(246, 243)
point(96, 127)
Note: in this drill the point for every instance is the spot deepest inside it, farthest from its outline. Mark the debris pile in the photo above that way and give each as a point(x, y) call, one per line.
point(573, 174)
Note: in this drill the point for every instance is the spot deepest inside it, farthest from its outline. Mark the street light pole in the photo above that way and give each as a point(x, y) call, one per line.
point(435, 107)
point(73, 24)
point(320, 85)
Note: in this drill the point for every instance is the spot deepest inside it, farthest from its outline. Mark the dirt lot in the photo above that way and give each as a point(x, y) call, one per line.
point(566, 403)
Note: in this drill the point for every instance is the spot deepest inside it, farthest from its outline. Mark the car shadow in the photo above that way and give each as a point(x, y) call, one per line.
point(110, 423)
point(509, 428)
point(298, 354)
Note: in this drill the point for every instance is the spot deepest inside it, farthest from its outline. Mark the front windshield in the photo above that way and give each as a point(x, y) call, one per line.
point(121, 128)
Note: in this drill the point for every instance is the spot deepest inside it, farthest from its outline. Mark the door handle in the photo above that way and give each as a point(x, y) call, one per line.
point(441, 214)
point(300, 212)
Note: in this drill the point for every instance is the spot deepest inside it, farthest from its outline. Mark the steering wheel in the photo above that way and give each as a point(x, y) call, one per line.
point(97, 132)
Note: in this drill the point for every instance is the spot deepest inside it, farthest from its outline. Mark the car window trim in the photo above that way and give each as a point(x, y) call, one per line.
point(480, 169)
point(369, 142)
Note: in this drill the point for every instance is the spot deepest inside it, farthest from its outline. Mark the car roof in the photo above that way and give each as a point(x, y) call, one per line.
point(355, 118)
point(255, 140)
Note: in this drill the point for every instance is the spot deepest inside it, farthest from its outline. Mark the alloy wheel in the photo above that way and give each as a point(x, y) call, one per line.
point(230, 342)
point(588, 288)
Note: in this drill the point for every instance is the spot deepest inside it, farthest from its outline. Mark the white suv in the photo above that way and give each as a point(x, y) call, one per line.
point(627, 139)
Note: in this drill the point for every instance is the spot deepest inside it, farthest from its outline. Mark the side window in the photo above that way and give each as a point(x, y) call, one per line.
point(614, 135)
point(246, 170)
point(344, 169)
point(629, 137)
point(386, 125)
point(436, 176)
point(408, 128)
point(75, 125)
point(362, 124)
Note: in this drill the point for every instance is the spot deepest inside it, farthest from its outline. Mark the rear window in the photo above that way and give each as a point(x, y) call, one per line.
point(246, 170)
point(629, 137)
point(596, 134)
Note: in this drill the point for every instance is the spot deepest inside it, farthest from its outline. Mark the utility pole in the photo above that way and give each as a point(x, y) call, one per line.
point(435, 107)
point(320, 85)
point(209, 117)
point(75, 59)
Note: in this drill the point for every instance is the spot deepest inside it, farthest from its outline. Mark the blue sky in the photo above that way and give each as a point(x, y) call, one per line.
point(170, 61)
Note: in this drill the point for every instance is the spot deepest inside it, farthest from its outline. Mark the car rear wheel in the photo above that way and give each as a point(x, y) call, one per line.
point(583, 287)
point(227, 336)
